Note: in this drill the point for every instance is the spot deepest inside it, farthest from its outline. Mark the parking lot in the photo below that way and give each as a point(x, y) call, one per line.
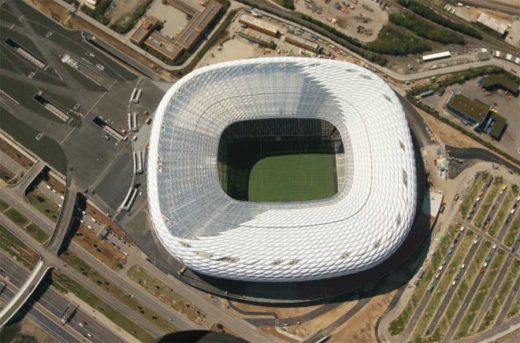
point(90, 153)
point(473, 275)
point(506, 107)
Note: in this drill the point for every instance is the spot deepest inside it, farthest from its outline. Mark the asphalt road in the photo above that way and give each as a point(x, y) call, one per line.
point(55, 303)
point(451, 289)
point(479, 154)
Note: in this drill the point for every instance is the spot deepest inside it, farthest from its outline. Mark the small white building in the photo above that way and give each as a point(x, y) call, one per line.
point(493, 23)
point(436, 56)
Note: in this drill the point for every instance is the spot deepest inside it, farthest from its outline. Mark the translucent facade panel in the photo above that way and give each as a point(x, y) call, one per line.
point(213, 234)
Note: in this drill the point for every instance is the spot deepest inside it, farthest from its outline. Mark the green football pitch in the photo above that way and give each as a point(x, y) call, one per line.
point(296, 177)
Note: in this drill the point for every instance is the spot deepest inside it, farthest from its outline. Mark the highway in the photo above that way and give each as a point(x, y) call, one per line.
point(480, 154)
point(54, 304)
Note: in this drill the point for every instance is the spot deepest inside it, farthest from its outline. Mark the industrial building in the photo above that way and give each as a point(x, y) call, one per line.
point(493, 23)
point(189, 36)
point(472, 111)
point(216, 235)
point(258, 38)
point(493, 82)
point(302, 42)
point(436, 56)
point(260, 25)
point(163, 45)
point(475, 112)
point(144, 30)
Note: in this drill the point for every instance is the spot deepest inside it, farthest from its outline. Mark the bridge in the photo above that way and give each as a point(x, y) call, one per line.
point(29, 177)
point(54, 245)
point(27, 289)
point(65, 219)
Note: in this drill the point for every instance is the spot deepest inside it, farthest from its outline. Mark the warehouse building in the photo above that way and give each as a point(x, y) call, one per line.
point(493, 82)
point(302, 42)
point(258, 38)
point(472, 111)
point(260, 25)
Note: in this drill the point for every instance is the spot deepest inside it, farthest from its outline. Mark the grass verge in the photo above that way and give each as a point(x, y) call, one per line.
point(17, 249)
point(66, 284)
point(165, 294)
point(125, 297)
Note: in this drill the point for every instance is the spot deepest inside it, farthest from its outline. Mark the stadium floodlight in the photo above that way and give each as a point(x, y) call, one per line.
point(214, 234)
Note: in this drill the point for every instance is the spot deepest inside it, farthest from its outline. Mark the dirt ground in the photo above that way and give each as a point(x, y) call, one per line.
point(281, 312)
point(447, 134)
point(361, 327)
point(366, 13)
point(310, 327)
point(119, 8)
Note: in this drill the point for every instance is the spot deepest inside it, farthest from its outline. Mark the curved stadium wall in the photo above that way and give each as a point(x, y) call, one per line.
point(352, 231)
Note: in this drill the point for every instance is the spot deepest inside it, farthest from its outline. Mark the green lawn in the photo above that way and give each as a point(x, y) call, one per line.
point(16, 217)
point(3, 205)
point(37, 233)
point(17, 249)
point(93, 275)
point(65, 284)
point(295, 177)
point(165, 293)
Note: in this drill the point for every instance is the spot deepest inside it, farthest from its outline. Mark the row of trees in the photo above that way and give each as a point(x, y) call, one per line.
point(98, 13)
point(425, 29)
point(428, 13)
point(393, 41)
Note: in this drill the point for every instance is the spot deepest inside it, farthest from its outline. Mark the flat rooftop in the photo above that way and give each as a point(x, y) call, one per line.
point(472, 108)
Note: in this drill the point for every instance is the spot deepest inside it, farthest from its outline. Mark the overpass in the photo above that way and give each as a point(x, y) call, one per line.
point(29, 176)
point(65, 219)
point(27, 289)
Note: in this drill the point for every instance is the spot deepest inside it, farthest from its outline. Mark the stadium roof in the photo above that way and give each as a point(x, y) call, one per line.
point(211, 233)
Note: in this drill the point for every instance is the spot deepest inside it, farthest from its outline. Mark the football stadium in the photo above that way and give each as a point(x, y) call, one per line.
point(281, 170)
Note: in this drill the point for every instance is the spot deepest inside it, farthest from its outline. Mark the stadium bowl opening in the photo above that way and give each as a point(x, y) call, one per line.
point(281, 160)
point(282, 238)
